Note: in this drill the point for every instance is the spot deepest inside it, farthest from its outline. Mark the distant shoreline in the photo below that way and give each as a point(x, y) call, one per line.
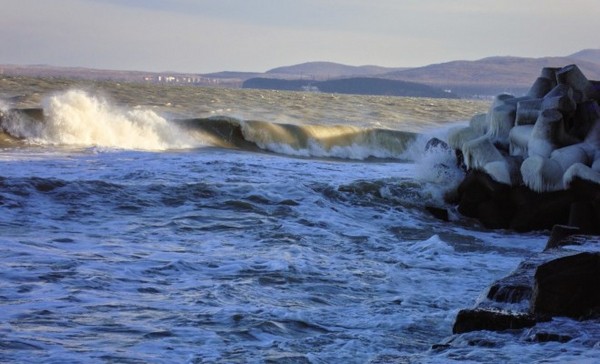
point(483, 78)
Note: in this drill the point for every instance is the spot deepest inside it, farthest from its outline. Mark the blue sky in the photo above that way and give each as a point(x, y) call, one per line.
point(256, 35)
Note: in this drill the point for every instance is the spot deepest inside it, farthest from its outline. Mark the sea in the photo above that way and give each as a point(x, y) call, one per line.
point(146, 223)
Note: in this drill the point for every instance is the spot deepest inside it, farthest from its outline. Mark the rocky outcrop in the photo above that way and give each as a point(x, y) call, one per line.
point(501, 206)
point(568, 286)
point(534, 161)
point(560, 281)
point(492, 320)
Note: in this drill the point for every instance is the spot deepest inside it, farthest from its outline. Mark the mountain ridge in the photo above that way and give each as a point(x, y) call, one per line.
point(590, 54)
point(321, 70)
point(490, 75)
point(469, 78)
point(483, 77)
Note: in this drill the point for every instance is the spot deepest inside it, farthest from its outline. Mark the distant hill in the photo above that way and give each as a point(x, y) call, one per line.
point(232, 74)
point(221, 79)
point(327, 70)
point(485, 77)
point(490, 76)
point(589, 55)
point(353, 85)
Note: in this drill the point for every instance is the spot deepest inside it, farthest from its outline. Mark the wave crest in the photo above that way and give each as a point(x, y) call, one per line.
point(78, 118)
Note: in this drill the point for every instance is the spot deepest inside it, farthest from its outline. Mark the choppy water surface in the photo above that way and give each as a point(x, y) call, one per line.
point(284, 253)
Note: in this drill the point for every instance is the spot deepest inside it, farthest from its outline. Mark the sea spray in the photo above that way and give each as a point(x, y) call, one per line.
point(436, 167)
point(81, 119)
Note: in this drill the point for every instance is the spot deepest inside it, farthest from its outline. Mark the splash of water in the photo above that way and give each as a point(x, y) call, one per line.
point(78, 118)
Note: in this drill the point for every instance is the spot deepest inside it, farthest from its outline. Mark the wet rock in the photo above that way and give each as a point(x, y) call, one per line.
point(438, 212)
point(559, 281)
point(536, 211)
point(485, 199)
point(498, 206)
point(510, 290)
point(579, 216)
point(481, 319)
point(560, 236)
point(568, 286)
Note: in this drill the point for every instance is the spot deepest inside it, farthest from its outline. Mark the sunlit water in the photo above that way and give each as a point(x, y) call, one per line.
point(128, 249)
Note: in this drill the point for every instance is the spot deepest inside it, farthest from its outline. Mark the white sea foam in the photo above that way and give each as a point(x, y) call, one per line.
point(4, 106)
point(78, 118)
point(437, 168)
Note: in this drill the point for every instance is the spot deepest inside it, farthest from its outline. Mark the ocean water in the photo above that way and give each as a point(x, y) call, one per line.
point(149, 224)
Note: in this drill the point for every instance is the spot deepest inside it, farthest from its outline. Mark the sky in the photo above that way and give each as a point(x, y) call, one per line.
point(202, 36)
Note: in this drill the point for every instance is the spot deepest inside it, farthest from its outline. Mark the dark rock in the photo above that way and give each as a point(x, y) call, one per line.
point(568, 286)
point(471, 192)
point(483, 198)
point(559, 236)
point(581, 216)
point(437, 143)
point(510, 293)
point(584, 190)
point(517, 287)
point(494, 214)
point(565, 279)
point(499, 206)
point(438, 212)
point(596, 216)
point(481, 319)
point(539, 211)
point(460, 159)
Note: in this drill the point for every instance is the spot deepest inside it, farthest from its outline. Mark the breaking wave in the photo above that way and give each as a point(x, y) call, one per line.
point(76, 118)
point(79, 119)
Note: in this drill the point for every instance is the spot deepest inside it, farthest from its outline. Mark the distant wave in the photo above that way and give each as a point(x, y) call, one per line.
point(78, 119)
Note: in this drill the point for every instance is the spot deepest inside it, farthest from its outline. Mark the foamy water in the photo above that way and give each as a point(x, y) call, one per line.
point(137, 245)
point(77, 118)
